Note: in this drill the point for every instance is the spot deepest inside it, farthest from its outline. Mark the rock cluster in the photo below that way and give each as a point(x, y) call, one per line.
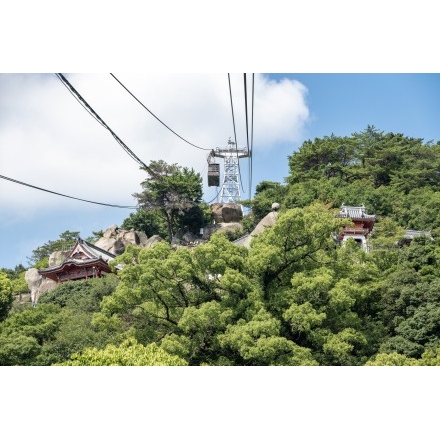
point(115, 240)
point(226, 216)
point(227, 212)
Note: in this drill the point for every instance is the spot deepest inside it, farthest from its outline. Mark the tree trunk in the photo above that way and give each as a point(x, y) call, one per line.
point(169, 217)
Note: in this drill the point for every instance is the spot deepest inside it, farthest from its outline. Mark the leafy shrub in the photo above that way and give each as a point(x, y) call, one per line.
point(84, 295)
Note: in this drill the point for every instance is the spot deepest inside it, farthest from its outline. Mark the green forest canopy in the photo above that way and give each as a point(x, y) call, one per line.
point(294, 297)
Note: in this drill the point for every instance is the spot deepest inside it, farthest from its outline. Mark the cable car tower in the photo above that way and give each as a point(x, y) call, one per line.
point(230, 189)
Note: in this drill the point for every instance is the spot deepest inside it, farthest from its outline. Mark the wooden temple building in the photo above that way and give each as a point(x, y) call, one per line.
point(83, 261)
point(362, 227)
point(410, 234)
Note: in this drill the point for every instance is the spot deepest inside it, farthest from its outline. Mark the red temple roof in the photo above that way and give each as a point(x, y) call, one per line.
point(84, 260)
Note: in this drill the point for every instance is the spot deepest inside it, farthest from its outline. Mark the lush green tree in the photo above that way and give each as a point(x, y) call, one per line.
point(298, 240)
point(391, 174)
point(170, 190)
point(60, 325)
point(163, 282)
point(6, 296)
point(19, 284)
point(266, 193)
point(24, 333)
point(192, 219)
point(74, 333)
point(258, 342)
point(410, 300)
point(83, 295)
point(392, 360)
point(18, 349)
point(196, 337)
point(40, 322)
point(78, 301)
point(324, 296)
point(329, 157)
point(418, 210)
point(430, 358)
point(149, 221)
point(128, 353)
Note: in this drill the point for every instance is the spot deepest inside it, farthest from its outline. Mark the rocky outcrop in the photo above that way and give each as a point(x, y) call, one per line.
point(57, 257)
point(106, 243)
point(266, 222)
point(111, 230)
point(227, 212)
point(115, 240)
point(37, 284)
point(151, 241)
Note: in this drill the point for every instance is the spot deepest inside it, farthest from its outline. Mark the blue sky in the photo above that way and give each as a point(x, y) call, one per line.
point(48, 140)
point(346, 103)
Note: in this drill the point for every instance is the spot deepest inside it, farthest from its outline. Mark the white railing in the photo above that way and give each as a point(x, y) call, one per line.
point(361, 231)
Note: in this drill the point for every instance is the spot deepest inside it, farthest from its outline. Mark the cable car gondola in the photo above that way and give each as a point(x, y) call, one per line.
point(214, 174)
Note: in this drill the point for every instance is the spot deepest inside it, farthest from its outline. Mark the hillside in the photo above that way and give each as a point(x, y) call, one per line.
point(294, 297)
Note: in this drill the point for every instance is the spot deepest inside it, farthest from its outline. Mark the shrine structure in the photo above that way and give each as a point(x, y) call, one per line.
point(84, 261)
point(363, 224)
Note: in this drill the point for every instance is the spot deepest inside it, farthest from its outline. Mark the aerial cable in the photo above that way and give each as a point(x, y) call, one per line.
point(252, 139)
point(246, 111)
point(204, 169)
point(83, 102)
point(247, 132)
point(152, 114)
point(63, 195)
point(235, 135)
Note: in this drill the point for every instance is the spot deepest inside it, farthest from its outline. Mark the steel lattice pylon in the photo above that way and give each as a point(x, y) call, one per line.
point(230, 189)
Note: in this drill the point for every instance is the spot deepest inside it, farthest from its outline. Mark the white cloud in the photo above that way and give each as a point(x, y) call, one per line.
point(281, 111)
point(47, 138)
